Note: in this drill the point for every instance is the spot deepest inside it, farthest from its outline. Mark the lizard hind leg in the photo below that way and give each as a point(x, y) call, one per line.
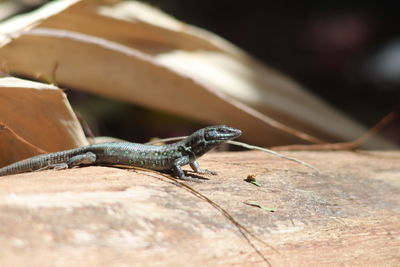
point(82, 159)
point(58, 166)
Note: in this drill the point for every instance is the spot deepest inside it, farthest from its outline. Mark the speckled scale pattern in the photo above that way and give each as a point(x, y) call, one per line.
point(166, 157)
point(139, 155)
point(40, 161)
point(132, 154)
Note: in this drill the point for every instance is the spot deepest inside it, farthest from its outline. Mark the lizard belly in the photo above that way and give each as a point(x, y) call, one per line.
point(144, 157)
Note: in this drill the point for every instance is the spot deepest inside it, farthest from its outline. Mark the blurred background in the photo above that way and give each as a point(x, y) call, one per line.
point(346, 52)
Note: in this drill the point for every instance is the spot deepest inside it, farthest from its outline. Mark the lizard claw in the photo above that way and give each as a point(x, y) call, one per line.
point(205, 171)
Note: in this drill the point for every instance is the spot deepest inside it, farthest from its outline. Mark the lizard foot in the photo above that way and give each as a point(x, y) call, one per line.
point(61, 166)
point(205, 171)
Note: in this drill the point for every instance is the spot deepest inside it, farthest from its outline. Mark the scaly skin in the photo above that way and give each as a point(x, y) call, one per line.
point(161, 158)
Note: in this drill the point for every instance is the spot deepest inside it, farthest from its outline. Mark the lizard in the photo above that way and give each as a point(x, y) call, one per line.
point(169, 157)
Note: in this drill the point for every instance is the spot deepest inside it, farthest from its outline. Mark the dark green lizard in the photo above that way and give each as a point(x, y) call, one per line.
point(170, 157)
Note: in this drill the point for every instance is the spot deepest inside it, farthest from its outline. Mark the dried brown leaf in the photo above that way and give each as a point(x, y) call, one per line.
point(35, 118)
point(132, 52)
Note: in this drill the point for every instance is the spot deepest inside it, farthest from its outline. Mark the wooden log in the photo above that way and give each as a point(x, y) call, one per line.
point(348, 214)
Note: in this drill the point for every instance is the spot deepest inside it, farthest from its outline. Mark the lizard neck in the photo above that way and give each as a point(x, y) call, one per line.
point(198, 145)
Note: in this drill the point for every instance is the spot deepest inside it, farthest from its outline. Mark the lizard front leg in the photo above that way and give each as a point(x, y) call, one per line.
point(195, 166)
point(177, 168)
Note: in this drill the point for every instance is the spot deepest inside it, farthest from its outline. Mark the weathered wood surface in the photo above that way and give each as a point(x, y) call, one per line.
point(348, 215)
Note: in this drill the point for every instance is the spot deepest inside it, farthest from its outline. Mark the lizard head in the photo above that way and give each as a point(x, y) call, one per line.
point(220, 133)
point(207, 138)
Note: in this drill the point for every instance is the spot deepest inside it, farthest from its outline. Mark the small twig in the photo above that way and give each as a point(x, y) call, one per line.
point(345, 145)
point(243, 230)
point(273, 153)
point(84, 124)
